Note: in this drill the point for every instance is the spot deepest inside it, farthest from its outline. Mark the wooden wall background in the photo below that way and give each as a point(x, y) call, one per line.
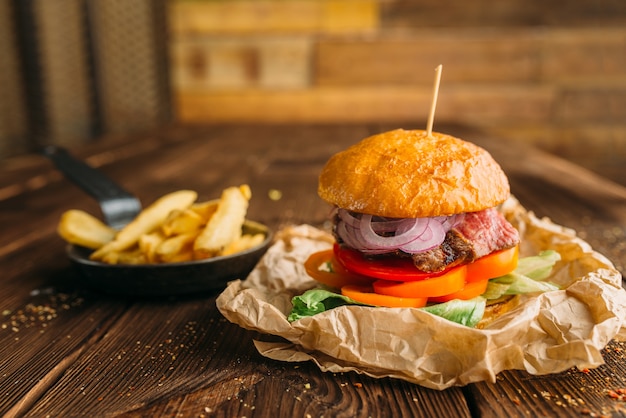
point(548, 73)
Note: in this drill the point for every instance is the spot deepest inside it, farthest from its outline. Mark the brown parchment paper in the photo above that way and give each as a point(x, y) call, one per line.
point(548, 333)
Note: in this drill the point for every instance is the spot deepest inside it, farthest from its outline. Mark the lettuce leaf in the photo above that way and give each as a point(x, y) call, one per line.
point(314, 301)
point(528, 277)
point(538, 267)
point(464, 312)
point(317, 300)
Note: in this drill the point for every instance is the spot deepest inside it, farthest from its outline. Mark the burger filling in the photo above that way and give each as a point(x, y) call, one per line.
point(435, 244)
point(451, 266)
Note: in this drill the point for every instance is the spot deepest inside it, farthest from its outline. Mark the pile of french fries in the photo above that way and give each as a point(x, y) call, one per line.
point(175, 228)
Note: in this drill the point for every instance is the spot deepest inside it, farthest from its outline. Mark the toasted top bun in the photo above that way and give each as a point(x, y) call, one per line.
point(407, 174)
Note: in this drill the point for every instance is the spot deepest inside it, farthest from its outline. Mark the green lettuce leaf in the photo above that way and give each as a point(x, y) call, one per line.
point(464, 312)
point(538, 267)
point(315, 301)
point(528, 277)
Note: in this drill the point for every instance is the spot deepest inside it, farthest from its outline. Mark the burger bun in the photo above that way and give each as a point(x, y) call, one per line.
point(410, 174)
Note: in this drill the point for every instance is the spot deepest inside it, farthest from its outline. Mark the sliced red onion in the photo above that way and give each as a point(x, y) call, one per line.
point(379, 224)
point(406, 233)
point(349, 235)
point(349, 217)
point(451, 221)
point(377, 235)
point(384, 225)
point(433, 237)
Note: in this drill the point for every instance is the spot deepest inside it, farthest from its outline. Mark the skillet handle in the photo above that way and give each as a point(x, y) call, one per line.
point(118, 206)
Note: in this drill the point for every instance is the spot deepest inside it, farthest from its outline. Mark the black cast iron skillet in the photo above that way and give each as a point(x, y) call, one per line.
point(118, 208)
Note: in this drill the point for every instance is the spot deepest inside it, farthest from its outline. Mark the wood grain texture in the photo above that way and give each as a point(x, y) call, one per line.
point(68, 350)
point(506, 14)
point(246, 62)
point(475, 55)
point(476, 105)
point(268, 16)
point(559, 70)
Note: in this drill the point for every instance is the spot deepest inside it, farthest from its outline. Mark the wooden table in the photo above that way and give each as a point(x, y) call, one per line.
point(66, 350)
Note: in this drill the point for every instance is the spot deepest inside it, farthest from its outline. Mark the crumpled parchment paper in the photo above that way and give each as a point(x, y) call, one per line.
point(547, 333)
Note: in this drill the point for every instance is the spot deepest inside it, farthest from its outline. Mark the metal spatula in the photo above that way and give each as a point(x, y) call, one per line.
point(118, 206)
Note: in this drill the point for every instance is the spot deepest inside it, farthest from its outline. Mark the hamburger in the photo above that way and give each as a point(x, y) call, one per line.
point(388, 183)
point(416, 223)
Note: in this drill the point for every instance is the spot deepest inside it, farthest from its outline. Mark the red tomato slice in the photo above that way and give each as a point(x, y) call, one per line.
point(365, 294)
point(470, 291)
point(323, 267)
point(451, 281)
point(493, 265)
point(397, 269)
point(399, 277)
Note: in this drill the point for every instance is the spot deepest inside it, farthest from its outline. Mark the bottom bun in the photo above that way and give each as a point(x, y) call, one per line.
point(497, 308)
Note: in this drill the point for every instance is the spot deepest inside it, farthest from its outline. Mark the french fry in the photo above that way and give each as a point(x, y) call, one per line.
point(148, 244)
point(177, 248)
point(134, 256)
point(182, 222)
point(246, 241)
point(224, 226)
point(148, 220)
point(174, 228)
point(80, 228)
point(181, 257)
point(205, 209)
point(111, 257)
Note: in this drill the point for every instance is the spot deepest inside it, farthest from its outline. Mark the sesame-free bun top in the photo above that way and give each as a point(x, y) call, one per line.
point(408, 174)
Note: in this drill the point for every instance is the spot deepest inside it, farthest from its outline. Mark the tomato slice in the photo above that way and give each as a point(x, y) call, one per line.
point(396, 269)
point(493, 265)
point(365, 294)
point(323, 267)
point(450, 281)
point(398, 277)
point(469, 291)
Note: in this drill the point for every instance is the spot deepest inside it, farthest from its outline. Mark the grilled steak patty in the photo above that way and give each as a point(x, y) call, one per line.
point(479, 234)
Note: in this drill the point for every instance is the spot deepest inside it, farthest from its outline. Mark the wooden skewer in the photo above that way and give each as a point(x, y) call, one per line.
point(433, 105)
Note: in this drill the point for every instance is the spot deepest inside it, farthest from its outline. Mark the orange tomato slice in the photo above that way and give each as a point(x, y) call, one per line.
point(493, 265)
point(365, 294)
point(451, 281)
point(322, 267)
point(469, 291)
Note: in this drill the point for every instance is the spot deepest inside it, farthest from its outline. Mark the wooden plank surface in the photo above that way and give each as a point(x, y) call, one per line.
point(507, 14)
point(460, 103)
point(204, 63)
point(67, 350)
point(557, 83)
point(269, 17)
point(479, 55)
